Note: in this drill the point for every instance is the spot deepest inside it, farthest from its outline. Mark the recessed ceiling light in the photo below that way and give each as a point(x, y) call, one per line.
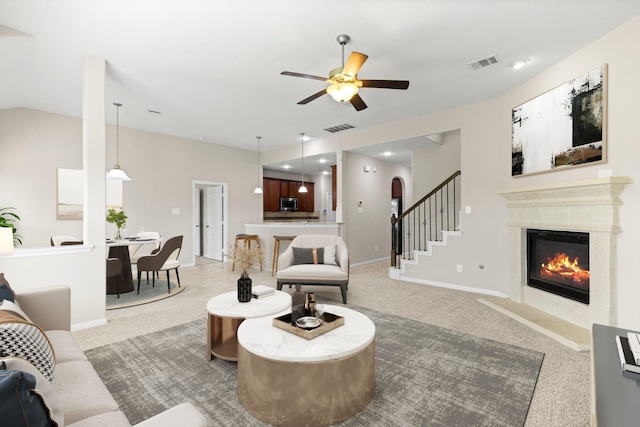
point(325, 172)
point(387, 153)
point(286, 167)
point(519, 64)
point(322, 161)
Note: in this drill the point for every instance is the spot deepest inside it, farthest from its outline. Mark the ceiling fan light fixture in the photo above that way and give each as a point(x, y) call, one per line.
point(342, 92)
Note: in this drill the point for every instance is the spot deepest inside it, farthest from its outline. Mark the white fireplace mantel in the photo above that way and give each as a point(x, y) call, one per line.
point(587, 206)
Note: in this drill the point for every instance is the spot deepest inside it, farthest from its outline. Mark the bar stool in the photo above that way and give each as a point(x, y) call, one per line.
point(276, 251)
point(247, 238)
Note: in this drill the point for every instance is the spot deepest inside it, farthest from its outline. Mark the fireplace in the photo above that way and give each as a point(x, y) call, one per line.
point(558, 262)
point(586, 206)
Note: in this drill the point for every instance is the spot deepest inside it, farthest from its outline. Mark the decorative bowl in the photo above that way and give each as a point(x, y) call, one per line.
point(308, 322)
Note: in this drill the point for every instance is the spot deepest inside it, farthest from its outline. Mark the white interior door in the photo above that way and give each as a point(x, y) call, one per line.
point(214, 223)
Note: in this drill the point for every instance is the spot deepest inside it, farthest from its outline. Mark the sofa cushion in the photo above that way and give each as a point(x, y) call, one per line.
point(183, 414)
point(20, 338)
point(43, 387)
point(81, 391)
point(309, 274)
point(65, 347)
point(20, 404)
point(111, 419)
point(5, 290)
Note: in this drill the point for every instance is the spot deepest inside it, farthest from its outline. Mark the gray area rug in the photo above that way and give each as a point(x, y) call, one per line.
point(425, 376)
point(148, 293)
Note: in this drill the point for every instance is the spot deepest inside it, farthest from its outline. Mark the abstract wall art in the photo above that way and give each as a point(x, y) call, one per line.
point(561, 128)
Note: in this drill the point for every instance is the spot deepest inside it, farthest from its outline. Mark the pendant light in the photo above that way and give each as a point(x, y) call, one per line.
point(116, 172)
point(258, 189)
point(302, 188)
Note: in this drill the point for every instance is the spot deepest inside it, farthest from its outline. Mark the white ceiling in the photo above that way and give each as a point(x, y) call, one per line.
point(212, 68)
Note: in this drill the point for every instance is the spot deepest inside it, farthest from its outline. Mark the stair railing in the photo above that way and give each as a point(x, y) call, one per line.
point(425, 221)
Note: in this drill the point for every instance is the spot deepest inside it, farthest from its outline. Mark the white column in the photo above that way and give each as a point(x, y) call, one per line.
point(93, 163)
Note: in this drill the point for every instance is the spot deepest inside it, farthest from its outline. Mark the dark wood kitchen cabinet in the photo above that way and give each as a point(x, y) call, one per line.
point(271, 194)
point(305, 200)
point(274, 188)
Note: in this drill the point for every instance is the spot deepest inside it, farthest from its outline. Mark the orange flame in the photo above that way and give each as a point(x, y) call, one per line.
point(561, 267)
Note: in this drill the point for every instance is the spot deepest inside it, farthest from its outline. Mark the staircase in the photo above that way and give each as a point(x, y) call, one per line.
point(429, 223)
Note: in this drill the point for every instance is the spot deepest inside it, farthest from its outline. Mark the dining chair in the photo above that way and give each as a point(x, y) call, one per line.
point(64, 240)
point(164, 260)
point(114, 269)
point(134, 250)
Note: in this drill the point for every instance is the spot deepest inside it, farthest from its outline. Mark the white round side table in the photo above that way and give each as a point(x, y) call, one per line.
point(226, 313)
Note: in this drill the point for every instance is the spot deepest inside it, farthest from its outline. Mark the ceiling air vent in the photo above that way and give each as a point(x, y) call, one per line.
point(484, 62)
point(339, 128)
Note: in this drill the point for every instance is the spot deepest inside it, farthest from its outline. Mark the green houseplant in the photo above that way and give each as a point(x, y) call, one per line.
point(119, 218)
point(8, 219)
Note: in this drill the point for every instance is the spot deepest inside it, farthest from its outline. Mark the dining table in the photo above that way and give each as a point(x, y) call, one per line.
point(123, 283)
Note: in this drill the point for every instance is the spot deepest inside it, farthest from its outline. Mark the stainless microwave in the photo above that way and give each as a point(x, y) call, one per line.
point(288, 204)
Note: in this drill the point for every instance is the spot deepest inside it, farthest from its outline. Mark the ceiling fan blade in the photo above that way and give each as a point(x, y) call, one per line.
point(386, 84)
point(312, 97)
point(358, 103)
point(306, 76)
point(355, 61)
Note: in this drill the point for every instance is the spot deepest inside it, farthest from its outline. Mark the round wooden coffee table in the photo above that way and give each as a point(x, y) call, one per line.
point(287, 380)
point(226, 313)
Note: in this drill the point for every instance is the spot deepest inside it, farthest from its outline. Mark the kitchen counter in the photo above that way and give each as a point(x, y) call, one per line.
point(266, 231)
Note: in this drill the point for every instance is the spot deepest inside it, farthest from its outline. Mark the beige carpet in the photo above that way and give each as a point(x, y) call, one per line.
point(562, 396)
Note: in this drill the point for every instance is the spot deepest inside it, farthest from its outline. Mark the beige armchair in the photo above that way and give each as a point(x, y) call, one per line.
point(305, 267)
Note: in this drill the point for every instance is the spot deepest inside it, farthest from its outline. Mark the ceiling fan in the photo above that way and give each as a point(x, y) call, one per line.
point(343, 81)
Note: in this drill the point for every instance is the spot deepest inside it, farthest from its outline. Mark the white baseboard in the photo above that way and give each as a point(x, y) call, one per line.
point(87, 325)
point(448, 286)
point(371, 261)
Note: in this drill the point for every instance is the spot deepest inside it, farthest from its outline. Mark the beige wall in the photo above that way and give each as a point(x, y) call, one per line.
point(162, 169)
point(370, 227)
point(485, 162)
point(486, 168)
point(435, 163)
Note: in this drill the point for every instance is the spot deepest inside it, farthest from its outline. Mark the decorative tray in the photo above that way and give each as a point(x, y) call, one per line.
point(331, 321)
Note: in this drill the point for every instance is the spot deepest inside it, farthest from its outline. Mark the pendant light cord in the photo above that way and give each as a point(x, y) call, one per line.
point(302, 147)
point(118, 105)
point(259, 138)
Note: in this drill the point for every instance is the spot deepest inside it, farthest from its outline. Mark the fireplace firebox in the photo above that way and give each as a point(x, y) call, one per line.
point(558, 262)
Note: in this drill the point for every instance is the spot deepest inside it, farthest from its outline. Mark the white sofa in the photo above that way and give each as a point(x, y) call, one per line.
point(325, 272)
point(83, 397)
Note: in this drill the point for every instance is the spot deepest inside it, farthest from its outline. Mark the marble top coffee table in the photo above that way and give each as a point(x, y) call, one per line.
point(226, 313)
point(286, 380)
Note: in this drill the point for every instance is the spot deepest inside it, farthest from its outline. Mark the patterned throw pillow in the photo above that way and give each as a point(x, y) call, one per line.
point(21, 338)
